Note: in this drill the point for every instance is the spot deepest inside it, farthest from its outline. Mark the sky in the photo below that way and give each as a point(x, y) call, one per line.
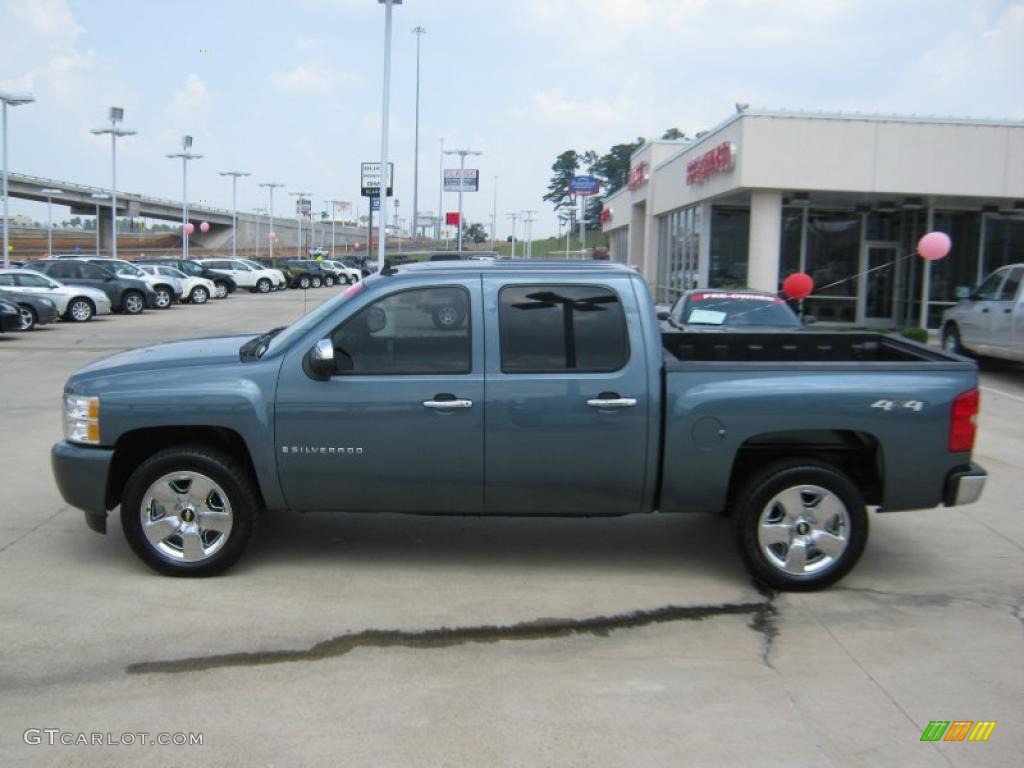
point(292, 91)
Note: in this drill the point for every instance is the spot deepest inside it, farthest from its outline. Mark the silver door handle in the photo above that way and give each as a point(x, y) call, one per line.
point(447, 405)
point(616, 402)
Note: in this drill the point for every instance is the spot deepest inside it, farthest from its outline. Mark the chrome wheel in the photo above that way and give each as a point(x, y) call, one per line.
point(163, 298)
point(221, 290)
point(80, 310)
point(186, 516)
point(199, 295)
point(803, 530)
point(263, 286)
point(28, 318)
point(303, 282)
point(329, 281)
point(134, 303)
point(316, 282)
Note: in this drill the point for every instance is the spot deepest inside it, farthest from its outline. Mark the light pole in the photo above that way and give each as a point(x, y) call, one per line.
point(259, 212)
point(116, 115)
point(440, 193)
point(9, 100)
point(419, 32)
point(494, 216)
point(462, 182)
point(381, 248)
point(527, 226)
point(234, 207)
point(49, 219)
point(185, 155)
point(270, 185)
point(515, 217)
point(299, 197)
point(334, 215)
point(97, 196)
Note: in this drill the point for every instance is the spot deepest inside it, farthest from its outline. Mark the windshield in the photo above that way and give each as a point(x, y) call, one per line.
point(174, 272)
point(738, 311)
point(123, 268)
point(253, 264)
point(303, 324)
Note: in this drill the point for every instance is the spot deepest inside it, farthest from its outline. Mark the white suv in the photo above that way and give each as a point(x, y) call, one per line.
point(280, 281)
point(343, 273)
point(257, 280)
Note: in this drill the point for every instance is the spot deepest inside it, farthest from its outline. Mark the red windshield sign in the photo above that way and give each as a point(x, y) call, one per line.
point(718, 160)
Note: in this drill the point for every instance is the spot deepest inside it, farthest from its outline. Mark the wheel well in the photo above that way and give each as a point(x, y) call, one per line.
point(134, 447)
point(165, 286)
point(856, 454)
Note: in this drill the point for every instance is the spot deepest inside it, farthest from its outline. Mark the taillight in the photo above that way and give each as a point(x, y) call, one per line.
point(963, 423)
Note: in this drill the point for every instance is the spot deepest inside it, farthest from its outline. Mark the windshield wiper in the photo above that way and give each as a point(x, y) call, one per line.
point(254, 348)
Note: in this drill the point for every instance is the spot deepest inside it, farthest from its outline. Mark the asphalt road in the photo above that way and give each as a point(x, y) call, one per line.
point(393, 641)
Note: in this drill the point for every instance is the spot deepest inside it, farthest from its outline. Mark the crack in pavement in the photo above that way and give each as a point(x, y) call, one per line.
point(763, 614)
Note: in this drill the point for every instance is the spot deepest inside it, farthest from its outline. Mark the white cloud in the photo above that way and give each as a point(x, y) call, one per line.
point(191, 99)
point(305, 77)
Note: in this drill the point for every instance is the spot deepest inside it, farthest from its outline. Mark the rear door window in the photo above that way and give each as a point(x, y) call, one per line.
point(63, 270)
point(92, 272)
point(560, 328)
point(1010, 287)
point(989, 289)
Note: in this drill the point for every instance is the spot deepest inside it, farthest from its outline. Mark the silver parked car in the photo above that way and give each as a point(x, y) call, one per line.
point(989, 322)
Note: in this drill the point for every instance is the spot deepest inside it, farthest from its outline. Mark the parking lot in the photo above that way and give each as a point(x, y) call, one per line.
point(398, 641)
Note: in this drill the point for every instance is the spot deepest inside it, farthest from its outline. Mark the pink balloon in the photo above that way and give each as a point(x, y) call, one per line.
point(934, 246)
point(204, 227)
point(189, 228)
point(272, 235)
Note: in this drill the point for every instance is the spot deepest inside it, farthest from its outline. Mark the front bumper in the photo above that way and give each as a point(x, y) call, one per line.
point(964, 485)
point(81, 473)
point(10, 322)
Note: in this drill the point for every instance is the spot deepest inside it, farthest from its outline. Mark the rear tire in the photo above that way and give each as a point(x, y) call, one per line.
point(951, 340)
point(315, 281)
point(329, 281)
point(199, 295)
point(79, 310)
point(304, 282)
point(800, 525)
point(447, 318)
point(189, 511)
point(28, 317)
point(164, 297)
point(222, 289)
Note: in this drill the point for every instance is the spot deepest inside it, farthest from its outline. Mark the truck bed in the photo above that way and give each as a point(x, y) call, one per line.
point(812, 347)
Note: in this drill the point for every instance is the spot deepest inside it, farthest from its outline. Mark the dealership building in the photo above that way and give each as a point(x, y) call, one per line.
point(842, 197)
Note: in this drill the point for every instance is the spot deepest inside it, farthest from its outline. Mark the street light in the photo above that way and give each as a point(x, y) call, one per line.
point(97, 196)
point(381, 248)
point(116, 115)
point(270, 185)
point(234, 207)
point(419, 32)
point(440, 194)
point(9, 100)
point(334, 215)
point(299, 197)
point(185, 155)
point(49, 218)
point(527, 222)
point(259, 212)
point(494, 216)
point(462, 165)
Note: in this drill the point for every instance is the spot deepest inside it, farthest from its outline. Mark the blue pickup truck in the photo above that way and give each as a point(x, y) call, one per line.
point(518, 388)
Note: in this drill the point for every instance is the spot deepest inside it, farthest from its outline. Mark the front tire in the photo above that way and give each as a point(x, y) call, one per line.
point(221, 290)
point(316, 282)
point(79, 310)
point(329, 281)
point(199, 295)
point(951, 340)
point(189, 511)
point(164, 297)
point(133, 303)
point(304, 282)
point(800, 525)
point(264, 285)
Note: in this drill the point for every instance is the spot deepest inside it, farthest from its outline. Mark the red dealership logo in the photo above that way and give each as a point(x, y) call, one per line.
point(718, 160)
point(637, 176)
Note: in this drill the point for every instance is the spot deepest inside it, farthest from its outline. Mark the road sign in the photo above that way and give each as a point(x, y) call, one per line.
point(375, 203)
point(451, 218)
point(461, 179)
point(303, 206)
point(369, 176)
point(584, 186)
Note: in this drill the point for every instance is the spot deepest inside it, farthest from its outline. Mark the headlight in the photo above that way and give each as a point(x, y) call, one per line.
point(82, 419)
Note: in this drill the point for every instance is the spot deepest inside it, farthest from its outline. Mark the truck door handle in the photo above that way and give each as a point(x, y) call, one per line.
point(447, 403)
point(984, 309)
point(612, 402)
point(1007, 311)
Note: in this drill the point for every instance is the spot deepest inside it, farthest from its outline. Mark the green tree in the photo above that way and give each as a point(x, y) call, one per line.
point(673, 134)
point(475, 232)
point(564, 168)
point(613, 167)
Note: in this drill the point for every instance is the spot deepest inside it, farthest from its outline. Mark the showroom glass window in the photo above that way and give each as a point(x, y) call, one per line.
point(730, 241)
point(561, 328)
point(833, 261)
point(424, 331)
point(959, 269)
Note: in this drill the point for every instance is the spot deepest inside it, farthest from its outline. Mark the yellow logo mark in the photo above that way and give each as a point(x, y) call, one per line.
point(982, 730)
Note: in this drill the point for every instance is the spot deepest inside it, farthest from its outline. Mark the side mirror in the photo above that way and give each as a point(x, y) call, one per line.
point(963, 291)
point(664, 314)
point(809, 319)
point(320, 360)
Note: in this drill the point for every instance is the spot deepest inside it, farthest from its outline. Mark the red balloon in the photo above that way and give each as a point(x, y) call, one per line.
point(189, 228)
point(798, 285)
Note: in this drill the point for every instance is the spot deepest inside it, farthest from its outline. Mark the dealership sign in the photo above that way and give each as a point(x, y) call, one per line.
point(369, 179)
point(605, 216)
point(461, 179)
point(584, 186)
point(637, 176)
point(721, 159)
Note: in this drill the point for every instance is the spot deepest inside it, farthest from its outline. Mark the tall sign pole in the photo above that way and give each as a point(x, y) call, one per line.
point(419, 32)
point(385, 117)
point(270, 185)
point(462, 182)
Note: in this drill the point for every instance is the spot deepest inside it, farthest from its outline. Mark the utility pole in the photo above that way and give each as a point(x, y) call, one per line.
point(515, 217)
point(271, 185)
point(419, 32)
point(299, 197)
point(494, 216)
point(116, 116)
point(382, 240)
point(185, 155)
point(334, 215)
point(234, 208)
point(462, 182)
point(440, 193)
point(527, 222)
point(259, 212)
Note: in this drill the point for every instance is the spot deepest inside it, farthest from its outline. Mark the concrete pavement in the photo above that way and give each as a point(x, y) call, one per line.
point(394, 641)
